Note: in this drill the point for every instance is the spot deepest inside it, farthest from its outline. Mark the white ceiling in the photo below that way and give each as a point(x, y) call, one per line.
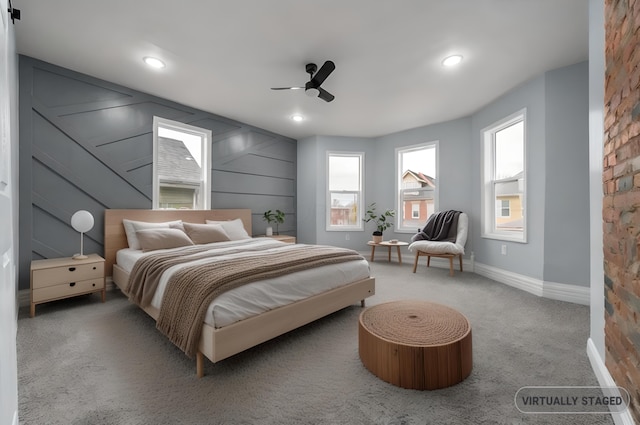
point(223, 56)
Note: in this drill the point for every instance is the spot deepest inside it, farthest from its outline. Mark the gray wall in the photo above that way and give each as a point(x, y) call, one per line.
point(557, 248)
point(379, 177)
point(522, 258)
point(454, 167)
point(309, 214)
point(566, 220)
point(312, 180)
point(87, 144)
point(557, 178)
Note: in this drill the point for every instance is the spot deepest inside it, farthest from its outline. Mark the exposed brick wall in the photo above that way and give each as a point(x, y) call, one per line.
point(621, 206)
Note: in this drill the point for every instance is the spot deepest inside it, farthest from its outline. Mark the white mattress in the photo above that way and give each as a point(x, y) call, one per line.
point(258, 297)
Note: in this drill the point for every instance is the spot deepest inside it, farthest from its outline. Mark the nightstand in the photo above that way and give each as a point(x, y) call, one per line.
point(283, 238)
point(58, 278)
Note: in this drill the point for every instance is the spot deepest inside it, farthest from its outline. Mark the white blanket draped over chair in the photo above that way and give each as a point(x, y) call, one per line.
point(443, 249)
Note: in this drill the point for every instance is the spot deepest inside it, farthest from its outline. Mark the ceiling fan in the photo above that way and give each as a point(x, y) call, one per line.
point(312, 87)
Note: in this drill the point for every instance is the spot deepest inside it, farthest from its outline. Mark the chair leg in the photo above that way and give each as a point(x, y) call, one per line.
point(415, 263)
point(428, 260)
point(451, 266)
point(460, 257)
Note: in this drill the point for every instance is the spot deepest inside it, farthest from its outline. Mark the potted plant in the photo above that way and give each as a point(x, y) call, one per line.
point(276, 217)
point(381, 221)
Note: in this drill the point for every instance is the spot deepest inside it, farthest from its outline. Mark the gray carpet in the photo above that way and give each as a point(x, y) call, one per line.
point(84, 362)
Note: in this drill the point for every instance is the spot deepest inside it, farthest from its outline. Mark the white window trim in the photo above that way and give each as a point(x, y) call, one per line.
point(360, 207)
point(398, 228)
point(206, 137)
point(488, 203)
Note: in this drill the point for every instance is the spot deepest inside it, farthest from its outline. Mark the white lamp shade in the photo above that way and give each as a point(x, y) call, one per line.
point(82, 221)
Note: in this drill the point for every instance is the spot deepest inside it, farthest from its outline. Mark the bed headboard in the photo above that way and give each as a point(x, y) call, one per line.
point(115, 237)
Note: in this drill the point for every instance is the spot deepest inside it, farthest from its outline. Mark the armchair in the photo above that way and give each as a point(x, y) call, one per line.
point(443, 249)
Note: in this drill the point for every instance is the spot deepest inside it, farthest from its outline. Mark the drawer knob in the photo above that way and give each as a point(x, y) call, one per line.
point(72, 269)
point(72, 284)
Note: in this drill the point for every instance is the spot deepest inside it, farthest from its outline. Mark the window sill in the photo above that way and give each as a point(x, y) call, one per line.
point(503, 237)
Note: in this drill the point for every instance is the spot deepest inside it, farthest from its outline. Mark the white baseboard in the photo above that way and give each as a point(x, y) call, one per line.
point(565, 292)
point(605, 380)
point(552, 290)
point(526, 283)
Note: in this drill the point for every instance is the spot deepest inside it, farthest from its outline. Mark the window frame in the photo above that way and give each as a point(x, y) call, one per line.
point(359, 193)
point(489, 212)
point(398, 170)
point(205, 157)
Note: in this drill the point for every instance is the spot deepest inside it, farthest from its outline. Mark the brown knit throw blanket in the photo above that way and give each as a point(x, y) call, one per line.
point(191, 289)
point(147, 271)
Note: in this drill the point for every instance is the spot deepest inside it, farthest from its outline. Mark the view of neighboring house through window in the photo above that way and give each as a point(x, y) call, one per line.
point(416, 185)
point(181, 165)
point(344, 184)
point(503, 212)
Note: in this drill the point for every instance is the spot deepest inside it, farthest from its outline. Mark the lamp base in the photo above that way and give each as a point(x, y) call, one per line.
point(80, 257)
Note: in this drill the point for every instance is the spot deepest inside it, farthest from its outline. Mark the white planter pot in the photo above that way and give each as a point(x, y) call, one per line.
point(269, 231)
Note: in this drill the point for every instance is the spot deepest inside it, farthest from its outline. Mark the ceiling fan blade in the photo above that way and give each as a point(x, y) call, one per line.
point(325, 95)
point(286, 88)
point(323, 73)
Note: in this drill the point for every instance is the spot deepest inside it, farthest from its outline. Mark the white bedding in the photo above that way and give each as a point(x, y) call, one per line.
point(258, 297)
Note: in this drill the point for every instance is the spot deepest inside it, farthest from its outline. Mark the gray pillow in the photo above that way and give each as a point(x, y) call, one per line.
point(162, 238)
point(205, 233)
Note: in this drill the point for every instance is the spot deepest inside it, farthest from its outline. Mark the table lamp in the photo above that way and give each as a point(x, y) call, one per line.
point(82, 221)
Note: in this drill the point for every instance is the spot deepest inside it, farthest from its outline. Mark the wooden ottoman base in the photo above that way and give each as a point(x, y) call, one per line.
point(416, 344)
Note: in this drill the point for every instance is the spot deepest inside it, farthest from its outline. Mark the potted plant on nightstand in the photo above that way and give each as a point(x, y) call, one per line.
point(276, 217)
point(381, 221)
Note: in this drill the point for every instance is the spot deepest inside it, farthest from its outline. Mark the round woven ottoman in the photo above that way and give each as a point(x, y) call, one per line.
point(415, 344)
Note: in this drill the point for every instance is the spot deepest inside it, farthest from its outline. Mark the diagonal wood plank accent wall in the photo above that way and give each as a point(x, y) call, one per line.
point(88, 144)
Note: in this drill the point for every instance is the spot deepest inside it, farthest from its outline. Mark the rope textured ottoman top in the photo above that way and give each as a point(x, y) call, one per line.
point(415, 323)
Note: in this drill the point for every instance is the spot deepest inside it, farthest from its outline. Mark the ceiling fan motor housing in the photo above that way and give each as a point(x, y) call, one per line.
point(311, 68)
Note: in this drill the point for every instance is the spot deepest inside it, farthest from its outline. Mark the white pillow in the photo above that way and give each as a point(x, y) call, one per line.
point(234, 228)
point(131, 227)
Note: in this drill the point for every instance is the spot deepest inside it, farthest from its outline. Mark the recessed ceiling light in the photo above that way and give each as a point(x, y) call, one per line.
point(297, 117)
point(452, 60)
point(153, 62)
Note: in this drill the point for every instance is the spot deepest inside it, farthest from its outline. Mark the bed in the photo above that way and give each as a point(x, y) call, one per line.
point(223, 335)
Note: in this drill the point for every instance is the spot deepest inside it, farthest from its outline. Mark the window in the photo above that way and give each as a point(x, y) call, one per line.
point(344, 183)
point(181, 166)
point(503, 208)
point(416, 185)
point(504, 177)
point(415, 210)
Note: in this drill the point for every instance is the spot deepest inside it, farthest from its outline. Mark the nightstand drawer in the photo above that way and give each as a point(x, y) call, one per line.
point(67, 289)
point(72, 273)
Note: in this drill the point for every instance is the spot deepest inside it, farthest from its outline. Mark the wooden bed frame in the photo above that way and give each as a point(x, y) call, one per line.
point(218, 344)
